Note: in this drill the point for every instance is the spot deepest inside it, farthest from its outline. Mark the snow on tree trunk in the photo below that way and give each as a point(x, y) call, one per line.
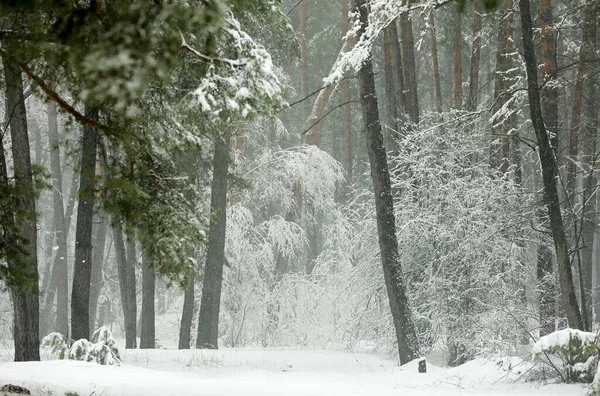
point(386, 226)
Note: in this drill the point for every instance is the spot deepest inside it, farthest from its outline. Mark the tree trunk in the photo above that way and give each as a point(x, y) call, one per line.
point(304, 58)
point(185, 330)
point(409, 67)
point(550, 91)
point(457, 61)
point(588, 131)
point(82, 268)
point(502, 83)
point(131, 313)
point(472, 100)
point(60, 268)
point(97, 267)
point(25, 302)
point(436, 65)
point(391, 106)
point(549, 173)
point(208, 319)
point(121, 258)
point(147, 336)
point(386, 223)
point(346, 118)
point(50, 286)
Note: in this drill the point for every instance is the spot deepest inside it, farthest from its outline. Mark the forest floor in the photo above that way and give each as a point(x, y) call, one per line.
point(265, 372)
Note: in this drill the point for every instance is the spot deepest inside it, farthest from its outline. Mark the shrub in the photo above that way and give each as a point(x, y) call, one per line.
point(101, 350)
point(576, 350)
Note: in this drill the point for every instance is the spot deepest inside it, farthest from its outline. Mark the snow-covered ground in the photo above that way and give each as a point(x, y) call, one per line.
point(257, 372)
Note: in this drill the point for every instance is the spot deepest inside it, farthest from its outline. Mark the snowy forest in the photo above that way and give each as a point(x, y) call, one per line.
point(402, 194)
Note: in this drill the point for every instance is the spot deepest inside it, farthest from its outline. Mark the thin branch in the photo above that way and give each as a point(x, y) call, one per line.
point(329, 112)
point(208, 59)
point(52, 95)
point(315, 92)
point(294, 7)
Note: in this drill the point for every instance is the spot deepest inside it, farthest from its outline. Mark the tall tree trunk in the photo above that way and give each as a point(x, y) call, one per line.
point(549, 173)
point(409, 67)
point(131, 314)
point(391, 106)
point(121, 258)
point(384, 207)
point(147, 336)
point(472, 100)
point(100, 230)
point(185, 329)
point(436, 65)
point(25, 302)
point(457, 61)
point(503, 123)
point(304, 88)
point(51, 284)
point(588, 133)
point(550, 91)
point(82, 268)
point(346, 118)
point(208, 319)
point(60, 268)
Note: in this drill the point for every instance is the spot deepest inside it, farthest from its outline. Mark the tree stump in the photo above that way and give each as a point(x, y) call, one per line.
point(422, 365)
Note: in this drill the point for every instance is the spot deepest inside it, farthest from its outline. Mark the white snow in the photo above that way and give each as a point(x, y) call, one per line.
point(260, 372)
point(561, 338)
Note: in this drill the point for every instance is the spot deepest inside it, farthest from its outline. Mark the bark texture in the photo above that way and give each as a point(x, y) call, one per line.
point(82, 267)
point(25, 302)
point(549, 173)
point(208, 319)
point(185, 329)
point(60, 268)
point(386, 223)
point(148, 333)
point(472, 99)
point(131, 291)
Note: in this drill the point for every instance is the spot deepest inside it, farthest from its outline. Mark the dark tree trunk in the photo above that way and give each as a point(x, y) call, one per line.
point(185, 330)
point(549, 173)
point(436, 65)
point(550, 91)
point(208, 319)
point(147, 335)
point(391, 105)
point(547, 299)
point(472, 100)
point(131, 313)
point(97, 268)
point(121, 257)
point(409, 67)
point(82, 268)
point(386, 223)
point(457, 61)
point(25, 302)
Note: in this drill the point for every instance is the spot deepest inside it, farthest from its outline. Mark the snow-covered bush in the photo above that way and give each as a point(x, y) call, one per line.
point(465, 239)
point(576, 350)
point(102, 350)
